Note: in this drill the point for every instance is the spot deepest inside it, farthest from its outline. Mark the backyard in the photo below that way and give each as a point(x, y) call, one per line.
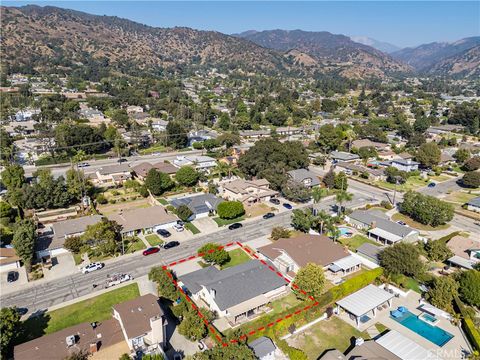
point(328, 334)
point(98, 308)
point(355, 241)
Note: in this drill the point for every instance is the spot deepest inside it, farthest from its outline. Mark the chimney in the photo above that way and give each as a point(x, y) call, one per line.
point(373, 225)
point(213, 293)
point(93, 348)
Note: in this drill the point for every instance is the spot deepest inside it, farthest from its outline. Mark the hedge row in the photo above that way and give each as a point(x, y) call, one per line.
point(468, 325)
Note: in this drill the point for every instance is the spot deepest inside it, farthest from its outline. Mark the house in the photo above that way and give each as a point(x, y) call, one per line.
point(141, 170)
point(166, 167)
point(288, 130)
point(343, 156)
point(113, 174)
point(92, 115)
point(139, 137)
point(263, 348)
point(466, 252)
point(237, 293)
point(357, 144)
point(389, 346)
point(289, 255)
point(474, 204)
point(254, 134)
point(142, 322)
point(405, 165)
point(247, 191)
point(26, 115)
point(136, 325)
point(201, 205)
point(350, 168)
point(370, 252)
point(446, 158)
point(29, 150)
point(132, 109)
point(304, 177)
point(144, 220)
point(200, 163)
point(53, 245)
point(159, 125)
point(380, 228)
point(201, 135)
point(24, 128)
point(9, 259)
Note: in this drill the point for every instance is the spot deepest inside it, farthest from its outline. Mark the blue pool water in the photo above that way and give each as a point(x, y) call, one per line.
point(432, 333)
point(344, 231)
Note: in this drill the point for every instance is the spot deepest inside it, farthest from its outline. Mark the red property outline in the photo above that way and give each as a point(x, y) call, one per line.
point(251, 254)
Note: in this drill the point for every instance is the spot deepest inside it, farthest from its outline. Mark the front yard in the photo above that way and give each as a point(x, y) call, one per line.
point(257, 209)
point(237, 257)
point(98, 308)
point(416, 225)
point(355, 241)
point(333, 333)
point(192, 228)
point(223, 222)
point(414, 182)
point(154, 240)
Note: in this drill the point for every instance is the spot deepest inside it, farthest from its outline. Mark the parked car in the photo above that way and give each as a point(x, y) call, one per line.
point(92, 267)
point(180, 222)
point(401, 223)
point(171, 244)
point(116, 279)
point(21, 311)
point(83, 164)
point(178, 227)
point(163, 232)
point(121, 160)
point(268, 215)
point(275, 201)
point(287, 206)
point(151, 250)
point(432, 185)
point(235, 226)
point(12, 276)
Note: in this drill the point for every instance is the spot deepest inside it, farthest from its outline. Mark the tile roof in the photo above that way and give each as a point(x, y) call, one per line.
point(237, 284)
point(306, 248)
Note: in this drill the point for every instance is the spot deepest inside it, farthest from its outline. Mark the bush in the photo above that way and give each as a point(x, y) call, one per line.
point(187, 176)
point(230, 209)
point(143, 191)
point(213, 255)
point(279, 232)
point(184, 212)
point(471, 179)
point(74, 244)
point(468, 324)
point(426, 209)
point(472, 164)
point(386, 204)
point(101, 199)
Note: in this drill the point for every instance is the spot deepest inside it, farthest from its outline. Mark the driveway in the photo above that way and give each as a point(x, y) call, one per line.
point(186, 267)
point(62, 266)
point(22, 280)
point(205, 225)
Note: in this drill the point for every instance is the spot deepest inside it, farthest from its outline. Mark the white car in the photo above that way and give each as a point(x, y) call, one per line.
point(92, 267)
point(117, 279)
point(178, 227)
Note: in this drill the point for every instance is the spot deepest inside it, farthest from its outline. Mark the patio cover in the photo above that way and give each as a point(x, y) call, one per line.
point(247, 305)
point(346, 263)
point(403, 347)
point(460, 261)
point(364, 300)
point(385, 234)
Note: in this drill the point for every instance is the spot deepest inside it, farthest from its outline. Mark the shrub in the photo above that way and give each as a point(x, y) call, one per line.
point(386, 204)
point(279, 232)
point(184, 212)
point(187, 176)
point(471, 179)
point(468, 324)
point(143, 191)
point(230, 209)
point(101, 199)
point(426, 209)
point(74, 244)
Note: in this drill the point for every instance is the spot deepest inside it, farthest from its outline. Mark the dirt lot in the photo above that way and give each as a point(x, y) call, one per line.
point(258, 209)
point(109, 209)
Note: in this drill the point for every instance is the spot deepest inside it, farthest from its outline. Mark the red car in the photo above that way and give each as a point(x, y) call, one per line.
point(151, 250)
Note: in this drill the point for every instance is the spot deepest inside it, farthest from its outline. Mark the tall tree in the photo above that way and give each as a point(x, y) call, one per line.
point(24, 240)
point(176, 135)
point(342, 197)
point(158, 182)
point(429, 154)
point(9, 324)
point(165, 285)
point(310, 279)
point(402, 258)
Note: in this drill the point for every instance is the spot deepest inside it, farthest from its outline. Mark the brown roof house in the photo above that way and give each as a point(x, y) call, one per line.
point(138, 323)
point(142, 322)
point(247, 191)
point(141, 170)
point(466, 252)
point(146, 220)
point(8, 259)
point(289, 255)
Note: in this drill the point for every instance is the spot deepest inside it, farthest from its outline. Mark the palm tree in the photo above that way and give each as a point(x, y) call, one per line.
point(350, 135)
point(224, 169)
point(334, 232)
point(318, 194)
point(324, 220)
point(342, 197)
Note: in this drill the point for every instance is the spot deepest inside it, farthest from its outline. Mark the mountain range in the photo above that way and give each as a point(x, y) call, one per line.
point(35, 37)
point(379, 45)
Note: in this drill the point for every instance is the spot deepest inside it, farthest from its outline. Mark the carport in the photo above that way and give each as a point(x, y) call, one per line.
point(363, 301)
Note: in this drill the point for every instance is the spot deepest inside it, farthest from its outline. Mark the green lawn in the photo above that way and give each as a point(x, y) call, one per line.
point(98, 308)
point(154, 240)
point(162, 201)
point(461, 197)
point(222, 222)
point(380, 327)
point(153, 149)
point(193, 229)
point(237, 257)
point(77, 258)
point(136, 245)
point(333, 333)
point(416, 225)
point(284, 303)
point(412, 183)
point(355, 241)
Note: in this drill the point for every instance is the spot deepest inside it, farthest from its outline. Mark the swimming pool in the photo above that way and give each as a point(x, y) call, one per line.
point(432, 333)
point(344, 231)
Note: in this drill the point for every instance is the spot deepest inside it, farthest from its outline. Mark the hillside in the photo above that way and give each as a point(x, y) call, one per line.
point(379, 45)
point(426, 57)
point(335, 52)
point(34, 36)
point(465, 64)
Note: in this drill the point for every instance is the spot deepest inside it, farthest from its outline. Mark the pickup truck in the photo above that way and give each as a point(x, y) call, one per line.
point(116, 279)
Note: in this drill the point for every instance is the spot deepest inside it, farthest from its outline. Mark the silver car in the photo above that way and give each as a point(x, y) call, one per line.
point(92, 267)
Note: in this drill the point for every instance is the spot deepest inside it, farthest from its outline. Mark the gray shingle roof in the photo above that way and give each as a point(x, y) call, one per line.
point(344, 156)
point(370, 250)
point(236, 284)
point(368, 218)
point(74, 226)
point(262, 346)
point(199, 204)
point(301, 174)
point(474, 202)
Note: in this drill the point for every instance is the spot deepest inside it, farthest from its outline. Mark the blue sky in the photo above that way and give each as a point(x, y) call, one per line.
point(403, 23)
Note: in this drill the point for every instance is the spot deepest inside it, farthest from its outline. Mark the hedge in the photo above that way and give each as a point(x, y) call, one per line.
point(470, 329)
